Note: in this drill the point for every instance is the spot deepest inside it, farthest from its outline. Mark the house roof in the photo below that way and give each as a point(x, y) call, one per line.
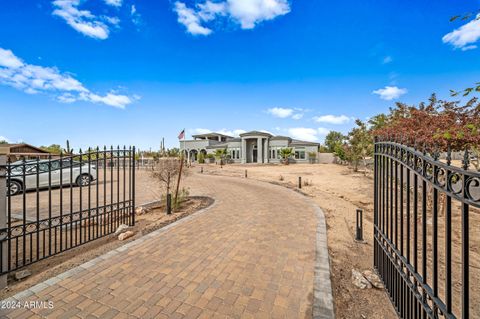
point(280, 137)
point(255, 133)
point(212, 134)
point(10, 149)
point(303, 143)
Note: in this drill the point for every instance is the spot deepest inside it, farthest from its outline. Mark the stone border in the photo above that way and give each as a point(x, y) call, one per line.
point(323, 307)
point(69, 273)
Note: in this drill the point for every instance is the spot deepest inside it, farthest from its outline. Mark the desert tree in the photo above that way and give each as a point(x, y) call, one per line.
point(435, 126)
point(166, 172)
point(360, 145)
point(334, 139)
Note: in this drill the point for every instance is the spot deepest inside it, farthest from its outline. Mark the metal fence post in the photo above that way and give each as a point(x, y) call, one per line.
point(3, 220)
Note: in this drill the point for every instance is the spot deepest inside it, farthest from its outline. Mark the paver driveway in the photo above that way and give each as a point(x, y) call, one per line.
point(251, 255)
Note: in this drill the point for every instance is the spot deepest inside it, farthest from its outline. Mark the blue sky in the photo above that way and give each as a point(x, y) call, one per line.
point(131, 72)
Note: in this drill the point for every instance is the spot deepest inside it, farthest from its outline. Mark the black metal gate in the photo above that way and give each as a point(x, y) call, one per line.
point(63, 202)
point(422, 247)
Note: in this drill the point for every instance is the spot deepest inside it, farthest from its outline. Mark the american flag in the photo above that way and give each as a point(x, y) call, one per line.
point(181, 135)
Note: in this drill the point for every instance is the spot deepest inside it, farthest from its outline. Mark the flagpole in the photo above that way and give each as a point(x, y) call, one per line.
point(184, 144)
point(181, 168)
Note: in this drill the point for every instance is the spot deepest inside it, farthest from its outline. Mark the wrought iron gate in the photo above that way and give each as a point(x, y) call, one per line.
point(60, 203)
point(422, 246)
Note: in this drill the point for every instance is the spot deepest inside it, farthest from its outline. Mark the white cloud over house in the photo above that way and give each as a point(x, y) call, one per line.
point(84, 21)
point(308, 134)
point(464, 37)
point(283, 113)
point(34, 79)
point(390, 92)
point(332, 119)
point(280, 112)
point(246, 13)
point(234, 133)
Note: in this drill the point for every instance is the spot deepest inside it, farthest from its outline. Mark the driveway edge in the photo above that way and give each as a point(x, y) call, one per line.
point(323, 307)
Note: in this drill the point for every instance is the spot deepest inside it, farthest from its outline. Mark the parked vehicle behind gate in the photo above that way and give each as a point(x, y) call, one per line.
point(50, 173)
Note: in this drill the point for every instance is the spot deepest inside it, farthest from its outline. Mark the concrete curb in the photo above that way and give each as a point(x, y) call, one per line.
point(69, 273)
point(323, 307)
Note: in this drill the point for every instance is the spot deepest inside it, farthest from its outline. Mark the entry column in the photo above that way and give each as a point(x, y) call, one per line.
point(259, 150)
point(267, 151)
point(243, 151)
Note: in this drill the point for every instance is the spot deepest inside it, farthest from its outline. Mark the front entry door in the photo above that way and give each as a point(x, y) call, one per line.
point(254, 157)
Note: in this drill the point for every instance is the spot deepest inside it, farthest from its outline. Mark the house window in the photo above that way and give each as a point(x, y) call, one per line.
point(299, 154)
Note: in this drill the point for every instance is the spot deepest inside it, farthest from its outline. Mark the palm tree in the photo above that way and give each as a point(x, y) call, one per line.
point(286, 153)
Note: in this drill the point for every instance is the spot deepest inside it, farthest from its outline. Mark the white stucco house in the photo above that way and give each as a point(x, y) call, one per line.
point(250, 147)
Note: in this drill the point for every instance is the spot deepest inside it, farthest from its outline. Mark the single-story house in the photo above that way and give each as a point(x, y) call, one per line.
point(249, 147)
point(22, 151)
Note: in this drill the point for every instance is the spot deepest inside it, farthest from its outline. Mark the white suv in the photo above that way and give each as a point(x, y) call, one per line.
point(73, 173)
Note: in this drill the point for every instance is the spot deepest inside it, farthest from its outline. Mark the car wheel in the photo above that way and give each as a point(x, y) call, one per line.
point(14, 188)
point(84, 180)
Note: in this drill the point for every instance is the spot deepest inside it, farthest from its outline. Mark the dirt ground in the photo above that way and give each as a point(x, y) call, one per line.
point(145, 223)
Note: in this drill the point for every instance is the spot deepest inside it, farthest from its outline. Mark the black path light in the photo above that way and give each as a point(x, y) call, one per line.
point(359, 226)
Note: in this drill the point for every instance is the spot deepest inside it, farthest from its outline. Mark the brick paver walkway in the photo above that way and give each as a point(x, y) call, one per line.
point(252, 255)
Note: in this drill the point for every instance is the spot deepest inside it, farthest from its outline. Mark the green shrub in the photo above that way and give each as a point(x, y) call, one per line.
point(182, 196)
point(201, 158)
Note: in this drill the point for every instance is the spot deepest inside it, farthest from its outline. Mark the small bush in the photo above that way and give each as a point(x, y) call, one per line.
point(201, 158)
point(306, 182)
point(182, 196)
point(281, 178)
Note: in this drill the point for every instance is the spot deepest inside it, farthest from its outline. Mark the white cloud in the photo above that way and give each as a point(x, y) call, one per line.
point(9, 60)
point(3, 138)
point(323, 131)
point(136, 17)
point(332, 119)
point(246, 13)
point(463, 37)
point(250, 12)
point(387, 59)
point(84, 21)
point(280, 112)
point(190, 19)
point(469, 47)
point(307, 134)
point(390, 92)
point(114, 3)
point(223, 131)
point(33, 79)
